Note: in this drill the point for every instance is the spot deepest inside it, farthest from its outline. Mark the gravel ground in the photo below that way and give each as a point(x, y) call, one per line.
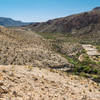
point(26, 83)
point(21, 47)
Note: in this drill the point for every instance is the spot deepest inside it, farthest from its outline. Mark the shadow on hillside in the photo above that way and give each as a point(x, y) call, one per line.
point(97, 79)
point(61, 67)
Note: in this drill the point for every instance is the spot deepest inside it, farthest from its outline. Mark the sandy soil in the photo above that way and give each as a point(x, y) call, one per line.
point(27, 83)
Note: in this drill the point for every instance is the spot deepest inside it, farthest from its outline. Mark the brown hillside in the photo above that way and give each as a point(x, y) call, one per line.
point(20, 47)
point(87, 22)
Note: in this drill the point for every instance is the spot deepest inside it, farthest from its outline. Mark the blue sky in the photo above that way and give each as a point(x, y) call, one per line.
point(42, 10)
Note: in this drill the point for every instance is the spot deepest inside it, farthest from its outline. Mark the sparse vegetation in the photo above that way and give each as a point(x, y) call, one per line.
point(24, 47)
point(54, 60)
point(98, 47)
point(69, 47)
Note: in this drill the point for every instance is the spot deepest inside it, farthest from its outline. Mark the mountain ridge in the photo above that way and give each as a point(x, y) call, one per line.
point(9, 22)
point(79, 23)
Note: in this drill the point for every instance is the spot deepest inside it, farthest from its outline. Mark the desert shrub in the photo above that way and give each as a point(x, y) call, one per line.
point(87, 60)
point(85, 69)
point(98, 48)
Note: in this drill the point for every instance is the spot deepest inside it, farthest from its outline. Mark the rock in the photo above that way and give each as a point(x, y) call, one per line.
point(43, 83)
point(3, 91)
point(81, 58)
point(1, 77)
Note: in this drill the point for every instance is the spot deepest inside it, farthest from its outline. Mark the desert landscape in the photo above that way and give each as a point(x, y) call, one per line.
point(26, 83)
point(58, 59)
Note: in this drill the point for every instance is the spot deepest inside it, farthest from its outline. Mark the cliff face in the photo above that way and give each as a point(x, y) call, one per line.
point(87, 22)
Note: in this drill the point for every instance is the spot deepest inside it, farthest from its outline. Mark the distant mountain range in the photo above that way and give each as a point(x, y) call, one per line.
point(8, 22)
point(83, 23)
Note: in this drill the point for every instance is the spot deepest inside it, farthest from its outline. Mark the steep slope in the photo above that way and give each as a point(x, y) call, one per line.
point(20, 47)
point(10, 22)
point(21, 83)
point(87, 22)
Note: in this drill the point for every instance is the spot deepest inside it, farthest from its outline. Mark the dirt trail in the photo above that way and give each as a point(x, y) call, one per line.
point(92, 52)
point(26, 83)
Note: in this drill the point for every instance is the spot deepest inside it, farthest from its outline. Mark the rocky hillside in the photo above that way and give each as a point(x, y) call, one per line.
point(70, 34)
point(20, 47)
point(87, 22)
point(26, 83)
point(10, 22)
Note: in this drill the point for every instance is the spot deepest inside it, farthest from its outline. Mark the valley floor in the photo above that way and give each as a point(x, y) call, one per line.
point(33, 83)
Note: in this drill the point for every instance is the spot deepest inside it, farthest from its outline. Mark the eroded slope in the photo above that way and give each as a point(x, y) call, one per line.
point(20, 47)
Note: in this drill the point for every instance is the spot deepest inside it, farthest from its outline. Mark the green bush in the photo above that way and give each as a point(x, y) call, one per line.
point(85, 69)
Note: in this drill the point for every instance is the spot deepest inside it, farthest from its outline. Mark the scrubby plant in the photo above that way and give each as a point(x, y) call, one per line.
point(30, 68)
point(12, 70)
